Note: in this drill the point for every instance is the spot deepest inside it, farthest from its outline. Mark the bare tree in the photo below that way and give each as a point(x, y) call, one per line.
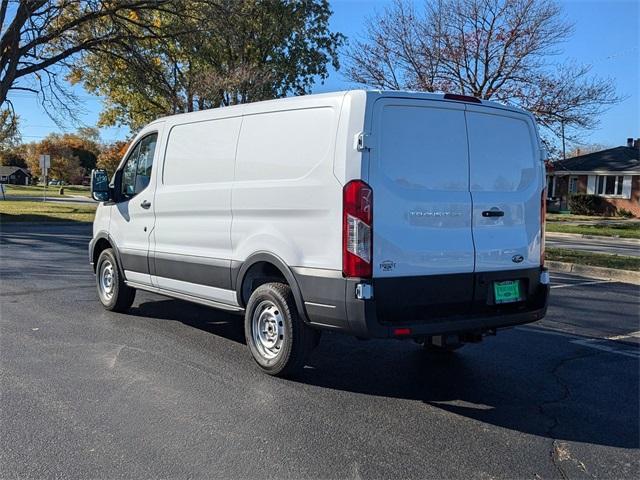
point(491, 49)
point(40, 37)
point(586, 149)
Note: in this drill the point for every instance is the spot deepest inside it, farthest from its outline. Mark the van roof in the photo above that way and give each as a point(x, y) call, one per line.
point(277, 104)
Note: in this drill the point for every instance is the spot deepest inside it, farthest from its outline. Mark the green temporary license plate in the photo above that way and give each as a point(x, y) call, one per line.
point(507, 292)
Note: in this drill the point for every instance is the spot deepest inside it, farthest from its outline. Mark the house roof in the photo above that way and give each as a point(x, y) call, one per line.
point(6, 171)
point(618, 159)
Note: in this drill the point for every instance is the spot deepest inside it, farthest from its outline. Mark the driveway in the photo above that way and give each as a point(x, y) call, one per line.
point(169, 389)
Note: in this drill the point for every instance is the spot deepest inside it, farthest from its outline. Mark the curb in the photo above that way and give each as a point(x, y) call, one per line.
point(61, 223)
point(577, 236)
point(599, 273)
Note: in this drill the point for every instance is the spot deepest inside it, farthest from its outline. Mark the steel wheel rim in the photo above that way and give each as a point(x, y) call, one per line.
point(106, 280)
point(267, 326)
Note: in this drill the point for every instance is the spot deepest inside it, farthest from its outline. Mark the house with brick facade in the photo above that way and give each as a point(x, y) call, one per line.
point(613, 174)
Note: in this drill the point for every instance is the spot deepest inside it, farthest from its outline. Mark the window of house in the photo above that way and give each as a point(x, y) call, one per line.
point(573, 185)
point(609, 184)
point(551, 186)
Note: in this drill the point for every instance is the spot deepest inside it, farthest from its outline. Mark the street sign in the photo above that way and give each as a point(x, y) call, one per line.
point(45, 163)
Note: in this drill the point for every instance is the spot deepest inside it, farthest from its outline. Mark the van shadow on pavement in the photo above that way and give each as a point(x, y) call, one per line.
point(520, 380)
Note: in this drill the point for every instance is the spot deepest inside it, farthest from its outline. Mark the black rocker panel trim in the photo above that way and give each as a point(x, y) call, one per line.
point(212, 272)
point(135, 261)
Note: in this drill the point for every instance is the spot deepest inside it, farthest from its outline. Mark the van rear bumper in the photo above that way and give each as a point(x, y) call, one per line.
point(410, 303)
point(365, 322)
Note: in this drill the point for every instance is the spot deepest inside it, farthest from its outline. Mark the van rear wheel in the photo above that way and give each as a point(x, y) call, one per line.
point(277, 337)
point(114, 293)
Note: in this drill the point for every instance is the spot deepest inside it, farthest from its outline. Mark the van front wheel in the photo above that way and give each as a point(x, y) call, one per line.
point(114, 293)
point(277, 338)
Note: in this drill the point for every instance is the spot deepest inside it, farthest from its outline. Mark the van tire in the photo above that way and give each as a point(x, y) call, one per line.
point(276, 336)
point(115, 295)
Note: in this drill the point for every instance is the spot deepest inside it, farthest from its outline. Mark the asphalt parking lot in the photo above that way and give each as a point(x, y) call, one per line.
point(170, 391)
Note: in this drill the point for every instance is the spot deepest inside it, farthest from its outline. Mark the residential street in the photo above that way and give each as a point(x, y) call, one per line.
point(170, 390)
point(67, 199)
point(618, 246)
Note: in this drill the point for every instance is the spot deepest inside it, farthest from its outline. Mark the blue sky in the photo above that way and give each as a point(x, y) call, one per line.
point(606, 36)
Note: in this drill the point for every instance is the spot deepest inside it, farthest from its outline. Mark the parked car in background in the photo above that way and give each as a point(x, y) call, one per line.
point(376, 214)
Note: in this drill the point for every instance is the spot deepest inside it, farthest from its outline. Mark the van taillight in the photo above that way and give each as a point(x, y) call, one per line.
point(461, 98)
point(543, 220)
point(357, 229)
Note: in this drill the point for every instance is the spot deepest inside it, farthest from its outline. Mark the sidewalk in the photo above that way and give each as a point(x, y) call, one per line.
point(594, 243)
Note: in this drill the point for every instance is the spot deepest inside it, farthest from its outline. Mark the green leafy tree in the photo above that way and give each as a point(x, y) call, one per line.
point(12, 158)
point(39, 39)
point(9, 131)
point(254, 50)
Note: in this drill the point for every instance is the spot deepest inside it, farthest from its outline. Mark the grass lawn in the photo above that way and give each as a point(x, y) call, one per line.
point(568, 217)
point(27, 211)
point(628, 230)
point(52, 190)
point(594, 259)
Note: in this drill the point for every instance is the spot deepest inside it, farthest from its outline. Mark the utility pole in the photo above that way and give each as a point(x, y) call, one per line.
point(564, 152)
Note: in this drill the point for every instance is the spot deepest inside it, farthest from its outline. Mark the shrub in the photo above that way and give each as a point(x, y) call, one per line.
point(623, 212)
point(585, 204)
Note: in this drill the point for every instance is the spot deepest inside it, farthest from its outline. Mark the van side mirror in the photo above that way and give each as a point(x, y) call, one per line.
point(100, 185)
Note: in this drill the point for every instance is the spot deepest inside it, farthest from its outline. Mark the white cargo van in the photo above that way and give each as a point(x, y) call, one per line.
point(378, 214)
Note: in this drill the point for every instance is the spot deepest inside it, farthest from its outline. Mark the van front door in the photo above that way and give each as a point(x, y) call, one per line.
point(132, 217)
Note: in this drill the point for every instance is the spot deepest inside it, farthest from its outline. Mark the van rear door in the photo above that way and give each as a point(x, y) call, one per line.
point(419, 172)
point(506, 181)
point(420, 177)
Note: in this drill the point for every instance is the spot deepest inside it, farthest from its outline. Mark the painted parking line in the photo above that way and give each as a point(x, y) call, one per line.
point(579, 284)
point(625, 337)
point(606, 344)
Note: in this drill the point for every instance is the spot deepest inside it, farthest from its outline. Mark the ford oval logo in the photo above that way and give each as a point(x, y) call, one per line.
point(517, 259)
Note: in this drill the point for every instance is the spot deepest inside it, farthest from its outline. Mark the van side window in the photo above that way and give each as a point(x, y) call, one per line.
point(129, 173)
point(145, 162)
point(136, 173)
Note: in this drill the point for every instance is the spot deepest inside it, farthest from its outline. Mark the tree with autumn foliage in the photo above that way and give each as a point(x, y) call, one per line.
point(73, 155)
point(499, 50)
point(111, 155)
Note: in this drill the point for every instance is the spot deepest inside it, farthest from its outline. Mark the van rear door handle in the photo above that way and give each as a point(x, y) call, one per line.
point(493, 213)
point(145, 204)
